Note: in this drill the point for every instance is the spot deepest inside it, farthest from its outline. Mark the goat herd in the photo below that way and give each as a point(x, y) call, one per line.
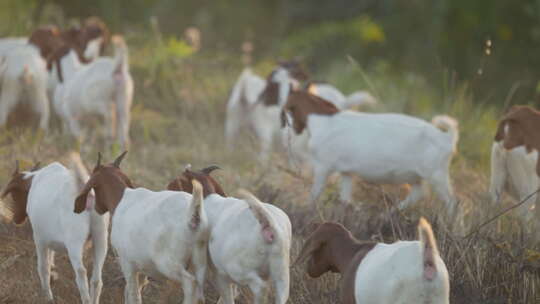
point(177, 234)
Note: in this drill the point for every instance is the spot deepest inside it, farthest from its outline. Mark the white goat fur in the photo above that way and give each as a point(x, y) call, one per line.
point(239, 252)
point(24, 76)
point(245, 110)
point(382, 148)
point(516, 167)
point(104, 87)
point(382, 273)
point(55, 226)
point(151, 234)
point(6, 44)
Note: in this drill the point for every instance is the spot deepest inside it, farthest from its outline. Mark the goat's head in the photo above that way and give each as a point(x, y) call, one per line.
point(108, 183)
point(47, 39)
point(18, 187)
point(295, 69)
point(518, 126)
point(95, 37)
point(185, 181)
point(322, 247)
point(300, 104)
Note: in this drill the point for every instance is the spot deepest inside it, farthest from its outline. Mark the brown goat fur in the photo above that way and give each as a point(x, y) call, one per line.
point(522, 124)
point(300, 104)
point(47, 39)
point(108, 182)
point(331, 247)
point(19, 187)
point(209, 184)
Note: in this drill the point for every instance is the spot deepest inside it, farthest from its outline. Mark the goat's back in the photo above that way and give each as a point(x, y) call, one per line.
point(151, 229)
point(393, 273)
point(236, 242)
point(388, 148)
point(50, 205)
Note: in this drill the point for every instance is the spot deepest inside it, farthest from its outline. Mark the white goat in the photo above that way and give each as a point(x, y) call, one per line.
point(250, 244)
point(249, 240)
point(8, 43)
point(104, 87)
point(514, 158)
point(154, 233)
point(25, 76)
point(46, 197)
point(403, 272)
point(380, 148)
point(256, 104)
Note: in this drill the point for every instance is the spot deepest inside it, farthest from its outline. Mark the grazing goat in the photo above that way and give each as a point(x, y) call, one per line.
point(249, 240)
point(257, 104)
point(154, 233)
point(380, 148)
point(104, 87)
point(24, 76)
point(514, 158)
point(403, 272)
point(46, 197)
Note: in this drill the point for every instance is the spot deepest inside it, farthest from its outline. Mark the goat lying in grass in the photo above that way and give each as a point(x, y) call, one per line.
point(380, 148)
point(402, 272)
point(256, 104)
point(46, 197)
point(514, 158)
point(154, 233)
point(104, 87)
point(249, 240)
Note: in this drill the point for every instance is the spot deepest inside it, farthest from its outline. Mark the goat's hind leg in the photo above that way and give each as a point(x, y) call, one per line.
point(44, 269)
point(76, 258)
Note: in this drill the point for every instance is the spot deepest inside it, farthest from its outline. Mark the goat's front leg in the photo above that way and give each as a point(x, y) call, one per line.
point(346, 187)
point(44, 269)
point(75, 257)
point(498, 173)
point(132, 293)
point(41, 105)
point(320, 175)
point(188, 283)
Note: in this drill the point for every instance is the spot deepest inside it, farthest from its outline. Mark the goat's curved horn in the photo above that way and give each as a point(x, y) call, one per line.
point(16, 167)
point(209, 169)
point(119, 159)
point(98, 163)
point(36, 166)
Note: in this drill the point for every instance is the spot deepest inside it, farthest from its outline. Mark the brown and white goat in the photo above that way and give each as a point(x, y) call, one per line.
point(154, 233)
point(249, 240)
point(514, 158)
point(403, 272)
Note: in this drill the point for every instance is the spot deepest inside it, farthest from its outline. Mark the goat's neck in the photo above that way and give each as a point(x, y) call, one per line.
point(345, 251)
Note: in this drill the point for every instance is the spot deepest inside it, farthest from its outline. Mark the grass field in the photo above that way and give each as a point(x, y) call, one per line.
point(178, 118)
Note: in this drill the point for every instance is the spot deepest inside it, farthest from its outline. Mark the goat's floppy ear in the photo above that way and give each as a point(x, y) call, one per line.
point(119, 159)
point(80, 200)
point(313, 243)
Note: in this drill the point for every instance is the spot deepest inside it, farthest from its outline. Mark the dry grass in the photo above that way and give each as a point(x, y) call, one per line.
point(495, 265)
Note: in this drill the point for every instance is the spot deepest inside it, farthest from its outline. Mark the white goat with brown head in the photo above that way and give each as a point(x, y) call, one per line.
point(514, 159)
point(380, 148)
point(249, 241)
point(403, 272)
point(103, 87)
point(158, 234)
point(46, 197)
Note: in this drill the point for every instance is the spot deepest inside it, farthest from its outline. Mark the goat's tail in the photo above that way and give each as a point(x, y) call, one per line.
point(123, 89)
point(429, 249)
point(27, 75)
point(448, 124)
point(361, 98)
point(196, 212)
point(261, 214)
